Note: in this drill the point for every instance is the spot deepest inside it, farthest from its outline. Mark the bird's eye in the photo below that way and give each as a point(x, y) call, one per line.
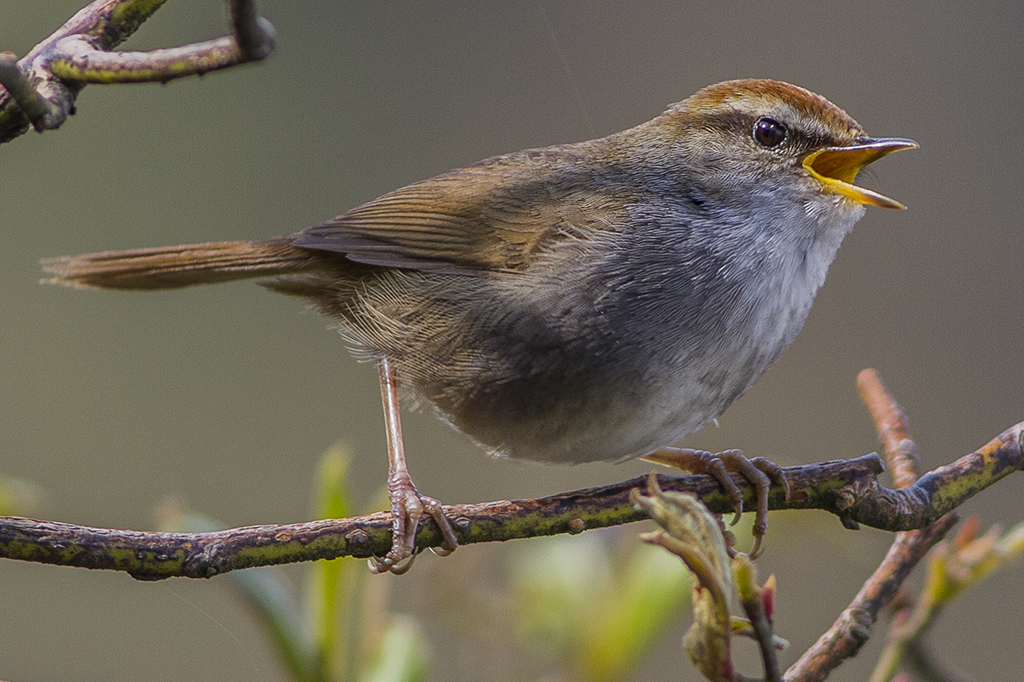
point(769, 133)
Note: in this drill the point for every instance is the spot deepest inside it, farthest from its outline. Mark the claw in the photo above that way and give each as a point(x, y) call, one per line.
point(408, 507)
point(759, 471)
point(757, 548)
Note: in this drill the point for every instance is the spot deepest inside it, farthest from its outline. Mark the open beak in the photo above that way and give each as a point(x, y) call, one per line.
point(837, 167)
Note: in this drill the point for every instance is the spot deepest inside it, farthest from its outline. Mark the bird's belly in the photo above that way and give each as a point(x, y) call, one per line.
point(629, 415)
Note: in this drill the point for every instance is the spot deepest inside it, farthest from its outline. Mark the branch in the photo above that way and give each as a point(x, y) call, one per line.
point(849, 489)
point(42, 87)
point(853, 627)
point(203, 555)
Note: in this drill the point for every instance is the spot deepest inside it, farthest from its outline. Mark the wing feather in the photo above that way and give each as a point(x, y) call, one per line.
point(493, 216)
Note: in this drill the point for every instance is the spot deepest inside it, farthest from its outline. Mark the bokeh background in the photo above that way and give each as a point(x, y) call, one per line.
point(226, 396)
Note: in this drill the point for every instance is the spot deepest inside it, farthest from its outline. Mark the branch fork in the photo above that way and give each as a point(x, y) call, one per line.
point(41, 88)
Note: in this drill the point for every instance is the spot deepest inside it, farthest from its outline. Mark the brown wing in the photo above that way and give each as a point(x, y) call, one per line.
point(497, 215)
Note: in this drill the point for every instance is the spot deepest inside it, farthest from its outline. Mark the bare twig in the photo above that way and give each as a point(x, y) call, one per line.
point(853, 627)
point(893, 431)
point(41, 88)
point(76, 60)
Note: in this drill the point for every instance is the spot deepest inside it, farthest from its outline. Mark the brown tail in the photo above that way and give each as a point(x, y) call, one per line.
point(171, 267)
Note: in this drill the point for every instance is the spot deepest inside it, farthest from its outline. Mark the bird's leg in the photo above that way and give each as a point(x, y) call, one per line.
point(759, 471)
point(407, 504)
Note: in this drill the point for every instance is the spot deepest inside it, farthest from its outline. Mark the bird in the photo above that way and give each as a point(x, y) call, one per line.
point(589, 301)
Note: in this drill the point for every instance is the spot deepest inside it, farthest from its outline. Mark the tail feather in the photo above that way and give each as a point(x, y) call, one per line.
point(172, 267)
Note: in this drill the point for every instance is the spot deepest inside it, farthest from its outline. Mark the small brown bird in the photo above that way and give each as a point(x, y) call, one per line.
point(583, 302)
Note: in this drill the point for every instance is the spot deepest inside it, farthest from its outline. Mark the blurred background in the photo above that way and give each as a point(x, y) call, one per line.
point(226, 396)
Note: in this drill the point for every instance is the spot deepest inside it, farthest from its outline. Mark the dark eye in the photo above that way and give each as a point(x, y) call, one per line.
point(769, 133)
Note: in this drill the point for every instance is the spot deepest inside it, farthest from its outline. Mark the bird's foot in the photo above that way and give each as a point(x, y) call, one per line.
point(408, 507)
point(760, 472)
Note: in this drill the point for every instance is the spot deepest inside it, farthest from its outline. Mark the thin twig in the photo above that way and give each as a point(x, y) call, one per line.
point(893, 430)
point(76, 60)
